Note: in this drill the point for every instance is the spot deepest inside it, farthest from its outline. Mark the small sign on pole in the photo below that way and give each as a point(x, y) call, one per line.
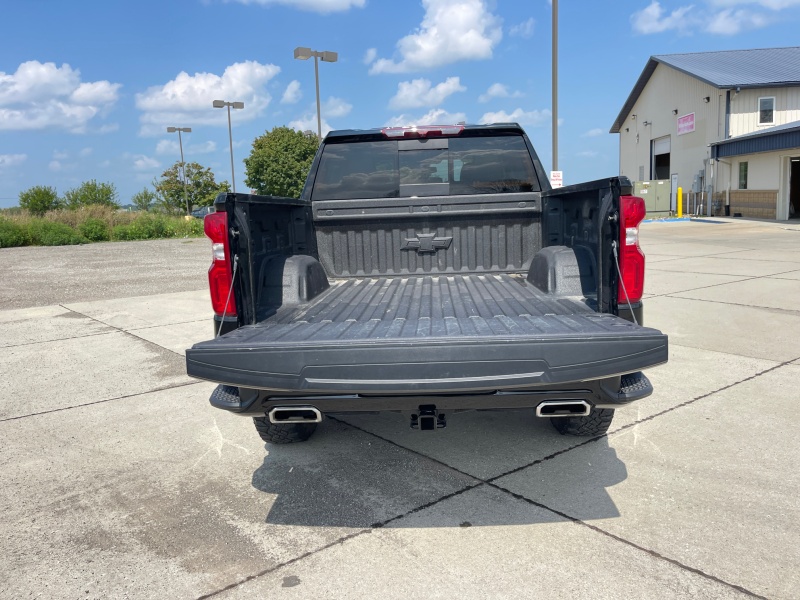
point(556, 179)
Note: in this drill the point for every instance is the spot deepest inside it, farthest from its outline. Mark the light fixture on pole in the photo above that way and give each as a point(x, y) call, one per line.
point(301, 53)
point(230, 105)
point(183, 164)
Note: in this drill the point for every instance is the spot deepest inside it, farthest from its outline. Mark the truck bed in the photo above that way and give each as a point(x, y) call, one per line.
point(429, 334)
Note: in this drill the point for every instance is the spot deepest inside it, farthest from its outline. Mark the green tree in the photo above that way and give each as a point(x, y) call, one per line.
point(201, 187)
point(39, 199)
point(279, 162)
point(92, 193)
point(144, 200)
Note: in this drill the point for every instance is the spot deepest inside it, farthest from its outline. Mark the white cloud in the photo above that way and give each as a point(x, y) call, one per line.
point(108, 128)
point(523, 30)
point(55, 165)
point(85, 152)
point(45, 96)
point(59, 155)
point(319, 6)
point(498, 90)
point(533, 117)
point(12, 160)
point(331, 108)
point(172, 148)
point(419, 92)
point(719, 17)
point(436, 116)
point(309, 123)
point(770, 4)
point(731, 22)
point(652, 19)
point(292, 93)
point(588, 154)
point(451, 31)
point(370, 55)
point(167, 147)
point(594, 132)
point(335, 107)
point(186, 100)
point(204, 148)
point(145, 163)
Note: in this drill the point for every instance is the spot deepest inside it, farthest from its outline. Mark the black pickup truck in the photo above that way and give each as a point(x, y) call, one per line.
point(428, 270)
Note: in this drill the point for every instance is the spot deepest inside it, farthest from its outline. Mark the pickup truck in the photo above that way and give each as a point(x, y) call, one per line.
point(428, 270)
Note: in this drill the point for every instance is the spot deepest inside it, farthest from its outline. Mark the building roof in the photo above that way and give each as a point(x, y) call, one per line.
point(728, 69)
point(780, 137)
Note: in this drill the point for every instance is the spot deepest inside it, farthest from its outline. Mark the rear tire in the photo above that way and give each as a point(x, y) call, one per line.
point(283, 433)
point(596, 422)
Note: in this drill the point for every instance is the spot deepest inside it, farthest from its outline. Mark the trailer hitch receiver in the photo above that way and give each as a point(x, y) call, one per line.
point(428, 419)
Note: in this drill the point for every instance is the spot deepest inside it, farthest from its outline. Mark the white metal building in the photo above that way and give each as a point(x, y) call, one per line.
point(722, 123)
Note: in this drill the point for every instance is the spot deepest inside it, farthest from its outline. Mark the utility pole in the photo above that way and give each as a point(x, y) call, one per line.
point(555, 85)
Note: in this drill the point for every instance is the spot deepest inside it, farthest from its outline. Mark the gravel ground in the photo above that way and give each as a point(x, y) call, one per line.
point(41, 276)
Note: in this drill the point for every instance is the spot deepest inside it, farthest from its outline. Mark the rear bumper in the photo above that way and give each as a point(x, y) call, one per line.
point(611, 392)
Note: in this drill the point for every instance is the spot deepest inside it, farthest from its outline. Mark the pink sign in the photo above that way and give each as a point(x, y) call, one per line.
point(686, 124)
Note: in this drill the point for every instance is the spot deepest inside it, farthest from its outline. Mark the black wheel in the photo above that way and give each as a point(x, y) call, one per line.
point(596, 422)
point(283, 433)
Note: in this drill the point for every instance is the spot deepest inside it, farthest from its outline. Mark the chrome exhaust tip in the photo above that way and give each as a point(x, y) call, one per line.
point(294, 414)
point(563, 408)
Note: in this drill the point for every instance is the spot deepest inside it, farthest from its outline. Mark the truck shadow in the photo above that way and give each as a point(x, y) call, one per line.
point(345, 477)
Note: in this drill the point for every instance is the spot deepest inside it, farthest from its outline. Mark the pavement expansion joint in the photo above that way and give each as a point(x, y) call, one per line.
point(706, 287)
point(786, 311)
point(63, 408)
point(339, 541)
point(203, 320)
point(622, 540)
point(64, 339)
point(127, 332)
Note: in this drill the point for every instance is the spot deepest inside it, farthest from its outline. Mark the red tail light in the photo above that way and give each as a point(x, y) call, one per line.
point(631, 257)
point(219, 274)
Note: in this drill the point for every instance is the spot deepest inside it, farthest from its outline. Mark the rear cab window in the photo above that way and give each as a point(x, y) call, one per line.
point(437, 166)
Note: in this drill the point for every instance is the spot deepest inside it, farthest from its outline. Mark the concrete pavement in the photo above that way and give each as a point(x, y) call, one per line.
point(119, 480)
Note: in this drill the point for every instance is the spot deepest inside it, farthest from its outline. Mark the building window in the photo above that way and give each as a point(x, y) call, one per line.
point(766, 111)
point(742, 175)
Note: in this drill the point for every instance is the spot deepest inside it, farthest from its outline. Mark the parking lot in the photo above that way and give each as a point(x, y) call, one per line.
point(119, 480)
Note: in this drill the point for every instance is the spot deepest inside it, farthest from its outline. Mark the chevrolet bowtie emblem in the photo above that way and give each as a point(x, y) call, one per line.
point(426, 243)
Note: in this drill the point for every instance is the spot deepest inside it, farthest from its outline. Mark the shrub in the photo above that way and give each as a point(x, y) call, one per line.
point(92, 193)
point(122, 233)
point(11, 234)
point(94, 230)
point(39, 199)
point(49, 233)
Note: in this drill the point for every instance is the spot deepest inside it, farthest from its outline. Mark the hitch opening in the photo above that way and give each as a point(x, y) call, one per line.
point(428, 419)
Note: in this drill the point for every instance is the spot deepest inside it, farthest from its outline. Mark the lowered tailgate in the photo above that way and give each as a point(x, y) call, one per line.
point(439, 334)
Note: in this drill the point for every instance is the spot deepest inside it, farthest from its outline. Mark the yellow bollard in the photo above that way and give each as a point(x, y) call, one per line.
point(680, 202)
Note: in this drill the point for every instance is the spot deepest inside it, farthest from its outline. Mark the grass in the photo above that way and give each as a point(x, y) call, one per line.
point(91, 224)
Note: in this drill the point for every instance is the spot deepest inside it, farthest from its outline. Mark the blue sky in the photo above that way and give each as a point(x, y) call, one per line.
point(88, 88)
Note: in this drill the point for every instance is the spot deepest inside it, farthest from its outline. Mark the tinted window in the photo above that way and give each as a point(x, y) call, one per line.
point(449, 166)
point(492, 165)
point(358, 170)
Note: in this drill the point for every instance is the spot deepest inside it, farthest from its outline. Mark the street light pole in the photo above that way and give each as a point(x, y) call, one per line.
point(302, 53)
point(229, 105)
point(555, 85)
point(183, 164)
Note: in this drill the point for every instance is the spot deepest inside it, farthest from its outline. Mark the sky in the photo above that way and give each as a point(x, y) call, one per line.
point(88, 88)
